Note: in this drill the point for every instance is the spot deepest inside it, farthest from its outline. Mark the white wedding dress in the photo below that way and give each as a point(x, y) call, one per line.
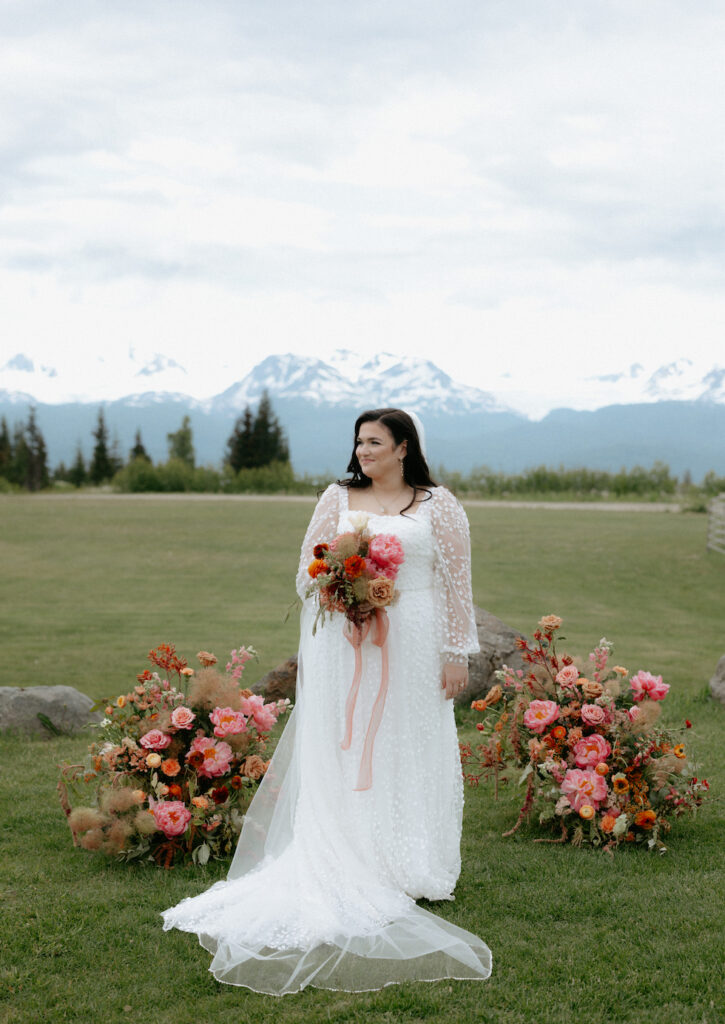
point(323, 884)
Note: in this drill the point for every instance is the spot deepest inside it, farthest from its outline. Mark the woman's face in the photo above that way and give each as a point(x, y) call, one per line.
point(377, 452)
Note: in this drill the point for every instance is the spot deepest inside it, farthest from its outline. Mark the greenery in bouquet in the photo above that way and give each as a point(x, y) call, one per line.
point(178, 761)
point(598, 768)
point(355, 573)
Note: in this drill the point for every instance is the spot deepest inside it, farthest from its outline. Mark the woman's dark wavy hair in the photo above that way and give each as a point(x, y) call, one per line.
point(415, 469)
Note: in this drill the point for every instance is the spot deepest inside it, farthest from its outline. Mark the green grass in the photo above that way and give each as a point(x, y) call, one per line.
point(90, 585)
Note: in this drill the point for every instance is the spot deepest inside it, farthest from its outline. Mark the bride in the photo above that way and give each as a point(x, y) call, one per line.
point(338, 844)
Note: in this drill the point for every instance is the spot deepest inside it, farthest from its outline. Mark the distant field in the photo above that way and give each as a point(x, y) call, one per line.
point(89, 586)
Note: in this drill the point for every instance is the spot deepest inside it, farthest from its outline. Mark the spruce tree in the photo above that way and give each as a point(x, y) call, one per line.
point(181, 443)
point(6, 448)
point(138, 451)
point(37, 469)
point(77, 474)
point(269, 444)
point(101, 468)
point(19, 464)
point(240, 446)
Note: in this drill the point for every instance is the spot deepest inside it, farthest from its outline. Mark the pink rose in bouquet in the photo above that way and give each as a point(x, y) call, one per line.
point(182, 717)
point(386, 553)
point(228, 722)
point(593, 714)
point(540, 714)
point(568, 676)
point(155, 740)
point(263, 715)
point(584, 787)
point(217, 756)
point(171, 816)
point(644, 684)
point(590, 750)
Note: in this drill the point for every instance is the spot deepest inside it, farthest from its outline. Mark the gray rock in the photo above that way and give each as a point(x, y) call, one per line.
point(67, 708)
point(498, 648)
point(717, 683)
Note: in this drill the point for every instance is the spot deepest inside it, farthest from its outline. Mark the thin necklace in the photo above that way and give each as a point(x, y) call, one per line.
point(392, 501)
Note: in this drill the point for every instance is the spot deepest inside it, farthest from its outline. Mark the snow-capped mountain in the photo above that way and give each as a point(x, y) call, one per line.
point(678, 381)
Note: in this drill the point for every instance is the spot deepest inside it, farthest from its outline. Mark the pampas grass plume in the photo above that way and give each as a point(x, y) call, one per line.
point(82, 819)
point(144, 823)
point(118, 800)
point(210, 689)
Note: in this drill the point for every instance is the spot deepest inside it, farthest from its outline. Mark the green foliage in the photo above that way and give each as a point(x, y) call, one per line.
point(181, 445)
point(174, 476)
point(713, 484)
point(24, 460)
point(138, 451)
point(78, 474)
point(275, 478)
point(637, 482)
point(101, 468)
point(256, 440)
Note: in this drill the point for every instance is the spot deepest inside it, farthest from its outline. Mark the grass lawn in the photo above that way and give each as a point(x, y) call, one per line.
point(90, 585)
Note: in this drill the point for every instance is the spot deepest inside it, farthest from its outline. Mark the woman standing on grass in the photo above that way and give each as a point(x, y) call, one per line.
point(359, 814)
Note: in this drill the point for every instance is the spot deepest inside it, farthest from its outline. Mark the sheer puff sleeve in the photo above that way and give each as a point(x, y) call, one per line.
point(453, 571)
point(323, 527)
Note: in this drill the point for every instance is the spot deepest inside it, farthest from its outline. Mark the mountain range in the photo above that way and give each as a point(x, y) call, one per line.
point(678, 417)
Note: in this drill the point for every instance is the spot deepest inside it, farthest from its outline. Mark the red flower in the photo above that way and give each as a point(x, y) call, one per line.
point(220, 795)
point(319, 550)
point(236, 782)
point(195, 759)
point(688, 723)
point(354, 566)
point(174, 791)
point(166, 658)
point(145, 676)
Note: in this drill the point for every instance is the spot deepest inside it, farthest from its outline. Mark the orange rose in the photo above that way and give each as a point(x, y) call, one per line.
point(254, 767)
point(200, 801)
point(170, 767)
point(608, 823)
point(380, 591)
point(354, 566)
point(316, 567)
point(206, 658)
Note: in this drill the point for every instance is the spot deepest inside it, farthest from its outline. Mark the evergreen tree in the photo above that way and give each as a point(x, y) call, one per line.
point(37, 469)
point(115, 456)
point(138, 451)
point(20, 462)
point(240, 446)
point(181, 443)
point(6, 448)
point(101, 468)
point(77, 474)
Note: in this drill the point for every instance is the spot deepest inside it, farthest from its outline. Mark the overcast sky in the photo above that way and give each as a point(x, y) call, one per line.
point(224, 179)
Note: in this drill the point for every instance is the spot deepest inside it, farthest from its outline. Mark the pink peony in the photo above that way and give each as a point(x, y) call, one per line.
point(644, 684)
point(217, 756)
point(386, 551)
point(593, 714)
point(182, 717)
point(584, 787)
point(540, 714)
point(590, 750)
point(264, 715)
point(155, 740)
point(228, 722)
point(171, 816)
point(567, 676)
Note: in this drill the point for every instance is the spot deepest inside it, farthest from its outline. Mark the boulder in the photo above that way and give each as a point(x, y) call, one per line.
point(717, 683)
point(280, 682)
point(498, 648)
point(65, 707)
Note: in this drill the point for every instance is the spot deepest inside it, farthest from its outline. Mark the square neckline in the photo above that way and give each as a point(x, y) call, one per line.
point(379, 515)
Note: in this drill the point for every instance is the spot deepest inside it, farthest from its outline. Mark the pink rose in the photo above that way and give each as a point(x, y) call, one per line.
point(584, 787)
point(181, 717)
point(155, 740)
point(264, 715)
point(228, 722)
point(633, 713)
point(171, 816)
point(217, 756)
point(567, 676)
point(590, 750)
point(593, 714)
point(644, 684)
point(386, 551)
point(540, 714)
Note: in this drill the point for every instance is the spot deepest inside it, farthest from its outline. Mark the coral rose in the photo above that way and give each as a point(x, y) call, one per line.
point(593, 714)
point(228, 722)
point(171, 816)
point(182, 717)
point(170, 767)
point(567, 676)
point(155, 739)
point(254, 767)
point(540, 714)
point(216, 754)
point(201, 802)
point(590, 750)
point(644, 684)
point(607, 823)
point(584, 787)
point(549, 623)
point(381, 591)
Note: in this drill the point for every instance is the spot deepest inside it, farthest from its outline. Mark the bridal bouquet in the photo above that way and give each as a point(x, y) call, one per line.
point(598, 768)
point(180, 757)
point(355, 573)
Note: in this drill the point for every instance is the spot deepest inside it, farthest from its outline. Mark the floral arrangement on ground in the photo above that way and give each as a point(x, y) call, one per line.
point(179, 759)
point(598, 768)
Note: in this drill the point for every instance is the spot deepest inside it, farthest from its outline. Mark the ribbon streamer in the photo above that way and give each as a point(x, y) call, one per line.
point(356, 635)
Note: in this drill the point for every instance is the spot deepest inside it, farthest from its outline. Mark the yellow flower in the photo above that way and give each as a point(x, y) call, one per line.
point(121, 701)
point(153, 760)
point(680, 750)
point(586, 811)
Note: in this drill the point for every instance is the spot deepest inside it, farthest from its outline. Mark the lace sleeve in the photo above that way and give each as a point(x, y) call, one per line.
point(323, 526)
point(453, 566)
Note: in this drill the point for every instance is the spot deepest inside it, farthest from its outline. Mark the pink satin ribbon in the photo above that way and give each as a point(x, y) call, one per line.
point(355, 635)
